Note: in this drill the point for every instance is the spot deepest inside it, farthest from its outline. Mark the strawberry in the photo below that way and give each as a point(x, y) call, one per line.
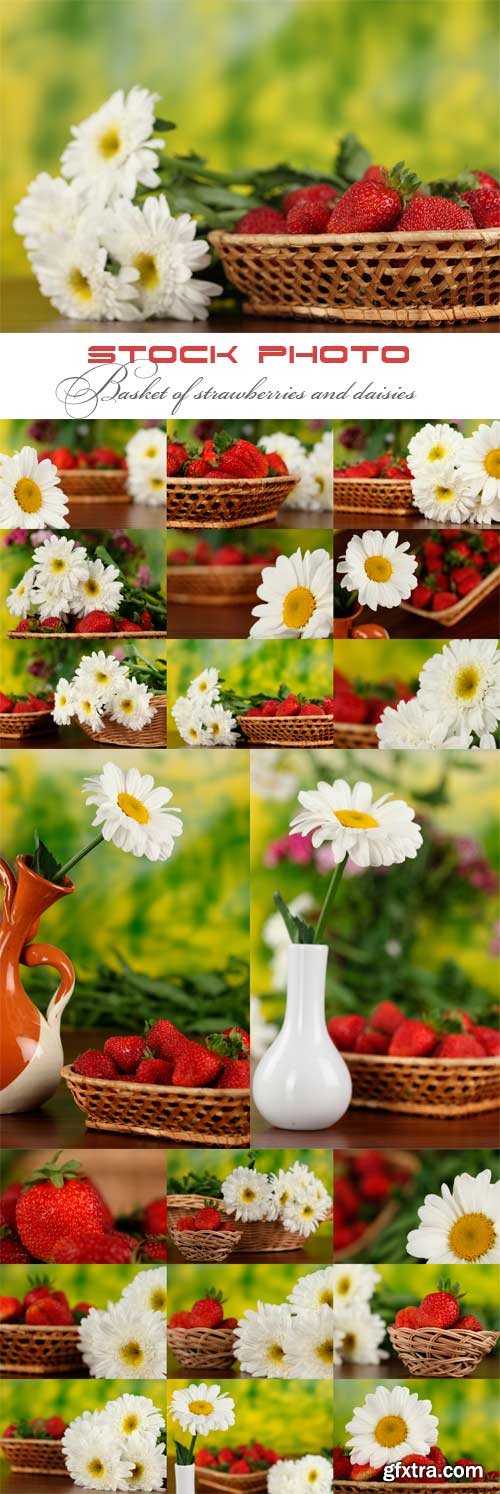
point(153, 1071)
point(81, 1310)
point(254, 711)
point(208, 1312)
point(341, 1464)
point(226, 1455)
point(155, 1217)
point(235, 1074)
point(310, 708)
point(431, 552)
point(180, 1320)
point(412, 1039)
point(459, 1045)
point(11, 1310)
point(202, 553)
point(375, 1186)
point(442, 600)
point(11, 1430)
point(278, 468)
point(51, 625)
point(63, 459)
point(12, 1252)
point(261, 220)
point(125, 1052)
point(93, 1247)
point(6, 704)
point(153, 1248)
point(489, 1038)
point(27, 625)
point(345, 1030)
point(229, 555)
point(207, 1219)
point(346, 1197)
point(317, 192)
point(57, 1200)
point(243, 459)
point(179, 557)
point(55, 1427)
point(350, 707)
point(195, 1066)
point(408, 1317)
point(329, 705)
point(371, 1041)
point(289, 707)
point(241, 1466)
point(8, 1201)
point(95, 622)
point(203, 1458)
point(371, 206)
point(469, 1324)
point(386, 1017)
point(46, 1310)
point(166, 1039)
point(125, 626)
point(270, 708)
point(440, 1309)
point(198, 467)
point(229, 1323)
point(362, 1471)
point(308, 217)
point(484, 204)
point(465, 579)
point(238, 1033)
point(186, 1221)
point(176, 457)
point(95, 1065)
point(426, 214)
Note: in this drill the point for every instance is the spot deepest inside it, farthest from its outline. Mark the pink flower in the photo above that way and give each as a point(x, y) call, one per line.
point(143, 576)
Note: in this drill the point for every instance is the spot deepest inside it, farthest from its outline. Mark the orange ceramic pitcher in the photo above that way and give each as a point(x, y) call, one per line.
point(31, 1054)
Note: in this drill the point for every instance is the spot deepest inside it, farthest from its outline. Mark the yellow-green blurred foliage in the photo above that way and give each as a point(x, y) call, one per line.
point(307, 431)
point(96, 1285)
point(294, 1417)
point(168, 917)
point(37, 664)
point(268, 1159)
point(370, 438)
point(375, 659)
point(250, 667)
point(68, 1398)
point(466, 1412)
point(254, 83)
point(71, 433)
point(242, 1286)
point(16, 559)
point(252, 541)
point(478, 1287)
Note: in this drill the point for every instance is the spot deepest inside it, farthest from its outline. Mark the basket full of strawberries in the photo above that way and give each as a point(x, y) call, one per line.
point(288, 720)
point(205, 1234)
point(417, 1067)
point(99, 473)
point(202, 1338)
point(457, 571)
point(437, 1338)
point(235, 1470)
point(370, 245)
point(25, 715)
point(39, 1331)
point(35, 1445)
point(224, 484)
point(381, 486)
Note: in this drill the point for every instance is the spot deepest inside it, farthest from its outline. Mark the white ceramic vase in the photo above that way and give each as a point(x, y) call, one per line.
point(302, 1082)
point(184, 1478)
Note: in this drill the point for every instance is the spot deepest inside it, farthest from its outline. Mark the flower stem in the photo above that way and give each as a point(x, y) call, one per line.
point(63, 870)
point(331, 892)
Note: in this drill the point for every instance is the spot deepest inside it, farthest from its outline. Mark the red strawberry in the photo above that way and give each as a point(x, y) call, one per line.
point(431, 552)
point(155, 1217)
point(308, 217)
point(442, 600)
point(243, 459)
point(208, 1312)
point(153, 1071)
point(360, 1472)
point(289, 707)
point(179, 557)
point(310, 708)
point(8, 1201)
point(439, 1310)
point(469, 1324)
point(465, 579)
point(341, 1464)
point(366, 207)
point(176, 456)
point(11, 1430)
point(58, 1200)
point(203, 1458)
point(126, 1052)
point(105, 456)
point(254, 711)
point(47, 1310)
point(346, 1197)
point(27, 625)
point(241, 1466)
point(93, 1248)
point(166, 1039)
point(375, 1186)
point(186, 1221)
point(95, 1065)
point(270, 708)
point(229, 1323)
point(238, 1032)
point(235, 1074)
point(180, 1320)
point(5, 704)
point(459, 1045)
point(371, 1041)
point(386, 1017)
point(484, 204)
point(125, 626)
point(317, 192)
point(63, 458)
point(146, 620)
point(81, 1310)
point(43, 1289)
point(485, 178)
point(226, 1455)
point(195, 1066)
point(489, 1038)
point(207, 1218)
point(412, 1039)
point(408, 1317)
point(11, 1310)
point(329, 705)
point(12, 1252)
point(350, 707)
point(278, 468)
point(55, 1427)
point(426, 214)
point(344, 1031)
point(153, 1248)
point(261, 220)
point(229, 555)
point(95, 622)
point(347, 1234)
point(198, 467)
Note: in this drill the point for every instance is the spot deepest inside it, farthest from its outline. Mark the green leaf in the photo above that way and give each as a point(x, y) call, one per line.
point(299, 931)
point(161, 125)
point(352, 158)
point(43, 862)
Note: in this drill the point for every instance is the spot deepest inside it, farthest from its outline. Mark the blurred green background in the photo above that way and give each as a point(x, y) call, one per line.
point(386, 922)
point(166, 919)
point(242, 1286)
point(96, 1285)
point(185, 1160)
point(252, 84)
point(37, 665)
point(44, 435)
point(252, 541)
point(293, 1416)
point(250, 667)
point(466, 1412)
point(68, 1398)
point(357, 439)
point(307, 431)
point(130, 552)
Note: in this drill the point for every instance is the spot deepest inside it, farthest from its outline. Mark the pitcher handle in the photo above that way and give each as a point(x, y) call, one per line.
point(48, 954)
point(7, 876)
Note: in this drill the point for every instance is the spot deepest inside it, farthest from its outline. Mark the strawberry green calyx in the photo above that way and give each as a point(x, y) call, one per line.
point(54, 1172)
point(228, 1045)
point(453, 188)
point(223, 442)
point(403, 181)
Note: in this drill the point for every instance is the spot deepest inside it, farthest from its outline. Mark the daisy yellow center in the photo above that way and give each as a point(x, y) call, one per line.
point(312, 1476)
point(354, 819)
point(79, 284)
point(276, 1353)
point(437, 453)
point(132, 1353)
point(133, 808)
point(324, 1351)
point(326, 1297)
point(127, 705)
point(96, 1468)
point(248, 1195)
point(201, 1408)
point(193, 733)
point(492, 462)
point(91, 587)
point(471, 1237)
point(466, 682)
point(101, 678)
point(136, 1475)
point(443, 495)
point(157, 483)
point(390, 1431)
point(58, 565)
point(158, 1300)
point(202, 687)
point(63, 700)
point(215, 729)
point(130, 1423)
point(320, 483)
point(28, 495)
point(343, 1286)
point(349, 1343)
point(306, 1211)
point(378, 568)
point(86, 707)
point(109, 143)
point(284, 1197)
point(298, 607)
point(148, 271)
point(151, 452)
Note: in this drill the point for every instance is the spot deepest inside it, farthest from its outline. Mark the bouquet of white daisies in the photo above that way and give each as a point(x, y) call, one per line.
point(127, 1340)
point(457, 703)
point(102, 686)
point(66, 582)
point(201, 718)
point(298, 1475)
point(296, 1197)
point(121, 1447)
point(146, 454)
point(456, 479)
point(358, 1331)
point(291, 1340)
point(312, 467)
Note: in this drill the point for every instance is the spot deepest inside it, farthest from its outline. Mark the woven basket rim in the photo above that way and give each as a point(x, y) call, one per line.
point(226, 1332)
point(246, 482)
point(27, 715)
point(40, 1328)
point(476, 1337)
point(147, 1089)
point(93, 471)
point(438, 235)
point(29, 1441)
point(216, 570)
point(400, 1059)
point(194, 1234)
point(298, 717)
point(380, 481)
point(86, 636)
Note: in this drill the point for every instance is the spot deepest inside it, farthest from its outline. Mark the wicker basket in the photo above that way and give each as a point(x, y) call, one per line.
point(202, 1351)
point(87, 484)
point(256, 1238)
point(287, 731)
point(402, 278)
point(354, 734)
point(27, 724)
point(213, 585)
point(373, 1230)
point(416, 1486)
point(152, 735)
point(451, 615)
point(375, 495)
point(444, 1353)
point(207, 1117)
point(35, 1455)
point(205, 1244)
point(213, 1479)
point(424, 1086)
point(225, 502)
point(84, 637)
point(29, 1349)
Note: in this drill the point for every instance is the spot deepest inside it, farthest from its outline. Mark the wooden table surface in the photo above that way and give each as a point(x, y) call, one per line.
point(24, 309)
point(90, 513)
point(383, 1128)
point(231, 621)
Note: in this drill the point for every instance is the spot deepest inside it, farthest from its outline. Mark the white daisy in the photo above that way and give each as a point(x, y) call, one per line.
point(115, 149)
point(205, 686)
point(485, 513)
point(486, 743)
point(389, 1425)
point(377, 567)
point(296, 597)
point(461, 1225)
point(63, 708)
point(247, 1194)
point(269, 781)
point(444, 496)
point(363, 1332)
point(131, 705)
point(221, 729)
point(353, 1286)
point(148, 1290)
point(378, 832)
point(302, 1216)
point(132, 813)
point(314, 1290)
point(72, 273)
point(480, 462)
point(283, 1191)
point(102, 671)
point(282, 1477)
point(293, 453)
point(51, 210)
point(49, 601)
point(147, 448)
point(148, 484)
point(131, 1414)
point(20, 598)
point(260, 1338)
point(262, 1032)
point(165, 253)
point(314, 1472)
point(149, 1464)
point(30, 494)
point(320, 467)
point(309, 1344)
point(101, 588)
point(188, 719)
point(86, 706)
point(61, 566)
point(433, 448)
point(409, 725)
point(202, 1409)
point(124, 1342)
point(92, 1459)
point(461, 685)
